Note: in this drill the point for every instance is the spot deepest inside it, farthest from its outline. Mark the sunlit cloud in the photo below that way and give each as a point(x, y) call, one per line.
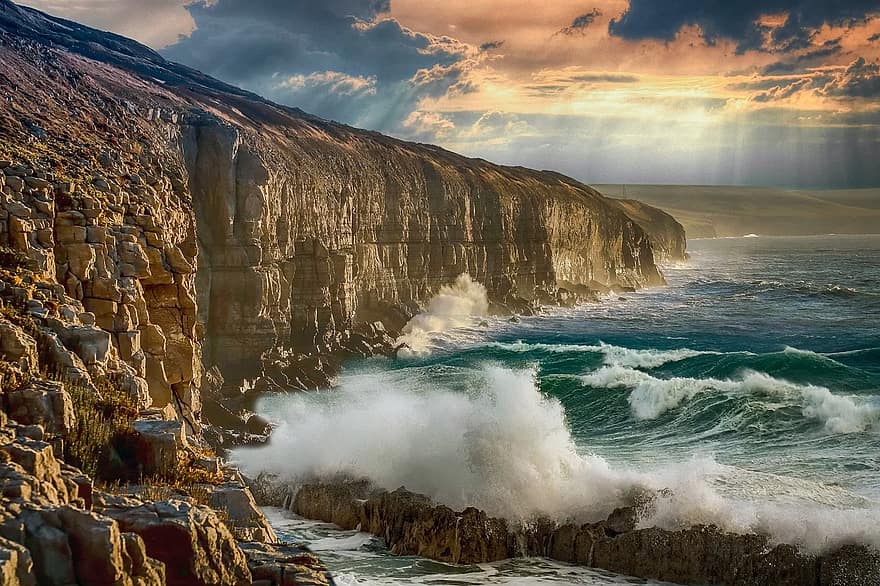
point(781, 91)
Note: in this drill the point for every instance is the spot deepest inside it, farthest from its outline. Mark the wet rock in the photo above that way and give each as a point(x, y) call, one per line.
point(412, 524)
point(285, 564)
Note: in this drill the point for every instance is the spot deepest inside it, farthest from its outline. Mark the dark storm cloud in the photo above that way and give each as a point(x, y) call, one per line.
point(491, 45)
point(581, 22)
point(340, 59)
point(800, 62)
point(650, 19)
point(860, 80)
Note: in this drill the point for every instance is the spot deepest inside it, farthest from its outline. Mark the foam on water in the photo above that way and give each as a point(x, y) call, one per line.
point(646, 358)
point(651, 396)
point(507, 448)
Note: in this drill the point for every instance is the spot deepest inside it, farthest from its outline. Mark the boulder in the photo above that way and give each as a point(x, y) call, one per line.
point(193, 543)
point(246, 519)
point(160, 445)
point(17, 346)
point(90, 343)
point(42, 402)
point(285, 564)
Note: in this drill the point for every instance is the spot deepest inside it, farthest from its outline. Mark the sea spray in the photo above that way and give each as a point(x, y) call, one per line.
point(453, 306)
point(505, 447)
point(502, 446)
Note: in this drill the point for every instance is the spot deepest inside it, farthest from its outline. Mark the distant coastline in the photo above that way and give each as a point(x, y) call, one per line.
point(730, 211)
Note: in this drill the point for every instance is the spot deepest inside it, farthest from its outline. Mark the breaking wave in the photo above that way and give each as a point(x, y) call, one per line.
point(617, 355)
point(507, 448)
point(651, 396)
point(452, 307)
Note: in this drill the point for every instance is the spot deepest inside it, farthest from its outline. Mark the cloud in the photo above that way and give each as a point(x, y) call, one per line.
point(581, 22)
point(740, 21)
point(860, 80)
point(800, 62)
point(341, 59)
point(156, 23)
point(491, 45)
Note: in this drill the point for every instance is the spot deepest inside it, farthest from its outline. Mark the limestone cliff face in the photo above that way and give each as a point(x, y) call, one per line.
point(325, 225)
point(201, 218)
point(666, 233)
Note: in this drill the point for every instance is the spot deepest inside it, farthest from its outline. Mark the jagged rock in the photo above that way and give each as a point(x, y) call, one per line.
point(44, 403)
point(412, 524)
point(195, 546)
point(16, 566)
point(102, 555)
point(248, 522)
point(17, 346)
point(284, 565)
point(160, 445)
point(90, 343)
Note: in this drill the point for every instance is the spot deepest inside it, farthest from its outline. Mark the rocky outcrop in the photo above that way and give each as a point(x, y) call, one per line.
point(668, 238)
point(285, 565)
point(193, 543)
point(412, 524)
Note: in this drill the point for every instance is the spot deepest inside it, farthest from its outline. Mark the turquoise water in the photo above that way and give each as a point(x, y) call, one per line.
point(749, 386)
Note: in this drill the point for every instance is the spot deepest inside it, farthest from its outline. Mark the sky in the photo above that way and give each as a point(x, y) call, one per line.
point(769, 92)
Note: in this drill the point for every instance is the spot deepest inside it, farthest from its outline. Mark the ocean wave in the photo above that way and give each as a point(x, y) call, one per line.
point(613, 355)
point(651, 396)
point(454, 306)
point(505, 447)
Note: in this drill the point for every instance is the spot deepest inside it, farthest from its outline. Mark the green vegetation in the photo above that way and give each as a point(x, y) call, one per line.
point(102, 435)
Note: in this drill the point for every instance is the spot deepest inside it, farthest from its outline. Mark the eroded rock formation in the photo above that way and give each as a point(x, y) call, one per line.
point(412, 524)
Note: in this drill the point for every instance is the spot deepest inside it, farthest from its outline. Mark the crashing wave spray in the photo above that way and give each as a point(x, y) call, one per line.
point(505, 447)
point(453, 306)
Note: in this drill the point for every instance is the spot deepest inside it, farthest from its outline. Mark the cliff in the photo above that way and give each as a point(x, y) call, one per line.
point(161, 230)
point(302, 226)
point(668, 238)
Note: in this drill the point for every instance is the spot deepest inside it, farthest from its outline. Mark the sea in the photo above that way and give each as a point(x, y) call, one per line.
point(748, 387)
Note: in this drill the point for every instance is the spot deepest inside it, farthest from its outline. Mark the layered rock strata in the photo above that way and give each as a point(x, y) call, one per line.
point(411, 524)
point(302, 227)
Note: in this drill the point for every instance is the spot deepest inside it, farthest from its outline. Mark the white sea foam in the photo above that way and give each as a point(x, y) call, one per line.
point(613, 355)
point(453, 306)
point(651, 396)
point(507, 448)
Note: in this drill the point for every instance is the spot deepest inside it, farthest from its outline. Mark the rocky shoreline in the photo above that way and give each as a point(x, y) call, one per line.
point(411, 524)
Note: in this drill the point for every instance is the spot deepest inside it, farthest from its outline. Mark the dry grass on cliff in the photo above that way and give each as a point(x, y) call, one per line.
point(102, 432)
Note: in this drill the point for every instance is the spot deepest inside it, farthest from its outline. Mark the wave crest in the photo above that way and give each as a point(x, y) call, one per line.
point(651, 397)
point(506, 448)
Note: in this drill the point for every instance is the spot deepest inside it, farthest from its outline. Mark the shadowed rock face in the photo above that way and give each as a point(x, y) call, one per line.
point(666, 234)
point(411, 524)
point(303, 227)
